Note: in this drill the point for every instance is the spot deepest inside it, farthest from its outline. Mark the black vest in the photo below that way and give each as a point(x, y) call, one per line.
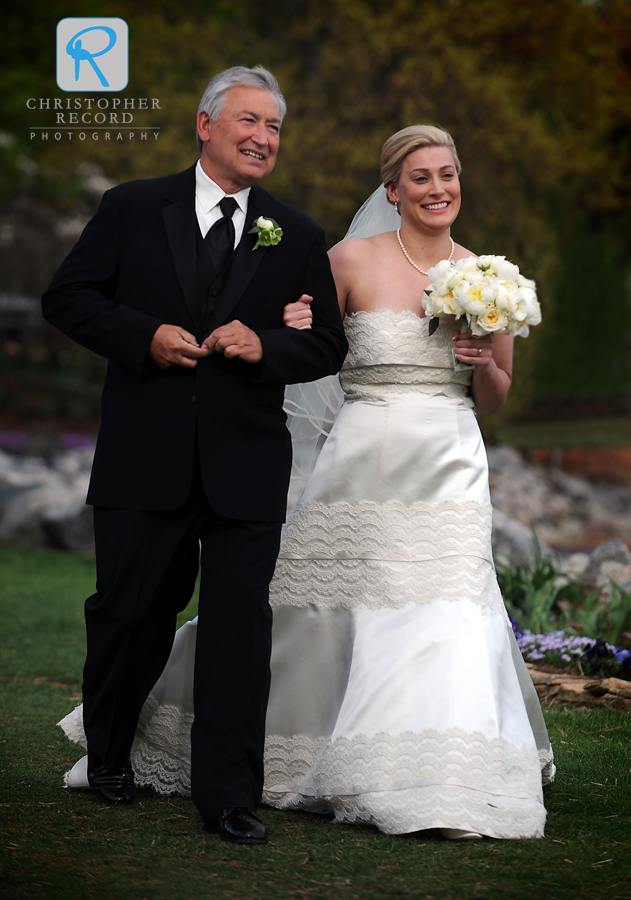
point(210, 285)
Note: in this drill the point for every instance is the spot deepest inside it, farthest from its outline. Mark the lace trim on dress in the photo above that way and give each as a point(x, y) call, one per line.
point(392, 530)
point(410, 781)
point(375, 555)
point(548, 769)
point(396, 375)
point(379, 584)
point(418, 809)
point(72, 726)
point(354, 390)
point(383, 336)
point(161, 754)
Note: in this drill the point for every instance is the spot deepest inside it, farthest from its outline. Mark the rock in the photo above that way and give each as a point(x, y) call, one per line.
point(513, 541)
point(22, 520)
point(69, 525)
point(599, 566)
point(561, 508)
point(596, 687)
point(44, 505)
point(617, 686)
point(574, 692)
point(18, 475)
point(616, 702)
point(574, 564)
point(503, 457)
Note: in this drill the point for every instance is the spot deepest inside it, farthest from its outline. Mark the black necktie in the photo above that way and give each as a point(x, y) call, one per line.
point(220, 238)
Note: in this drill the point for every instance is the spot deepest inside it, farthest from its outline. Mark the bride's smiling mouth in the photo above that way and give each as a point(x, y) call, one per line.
point(436, 206)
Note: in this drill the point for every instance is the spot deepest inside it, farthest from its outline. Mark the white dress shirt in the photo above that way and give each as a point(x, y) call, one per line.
point(208, 195)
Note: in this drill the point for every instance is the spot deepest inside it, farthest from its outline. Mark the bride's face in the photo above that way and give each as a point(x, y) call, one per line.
point(428, 190)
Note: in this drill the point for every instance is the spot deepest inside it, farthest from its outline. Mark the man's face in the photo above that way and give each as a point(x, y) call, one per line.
point(241, 146)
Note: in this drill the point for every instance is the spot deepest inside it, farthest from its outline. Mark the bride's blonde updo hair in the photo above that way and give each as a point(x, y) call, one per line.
point(397, 147)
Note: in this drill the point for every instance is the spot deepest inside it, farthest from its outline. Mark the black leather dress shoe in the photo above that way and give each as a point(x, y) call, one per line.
point(113, 785)
point(239, 825)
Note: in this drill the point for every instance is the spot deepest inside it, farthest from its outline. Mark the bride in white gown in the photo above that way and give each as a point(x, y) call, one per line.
point(399, 697)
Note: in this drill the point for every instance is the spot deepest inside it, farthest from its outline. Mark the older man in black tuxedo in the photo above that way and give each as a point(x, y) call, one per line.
point(193, 450)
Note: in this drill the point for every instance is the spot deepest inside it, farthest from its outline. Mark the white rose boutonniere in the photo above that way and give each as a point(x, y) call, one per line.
point(269, 232)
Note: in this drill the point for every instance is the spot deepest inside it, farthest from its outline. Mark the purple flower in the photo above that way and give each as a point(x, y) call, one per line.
point(75, 441)
point(14, 440)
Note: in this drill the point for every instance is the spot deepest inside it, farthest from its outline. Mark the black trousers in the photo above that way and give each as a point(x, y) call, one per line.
point(147, 564)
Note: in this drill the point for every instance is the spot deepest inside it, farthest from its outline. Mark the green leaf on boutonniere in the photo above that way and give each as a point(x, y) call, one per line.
point(268, 230)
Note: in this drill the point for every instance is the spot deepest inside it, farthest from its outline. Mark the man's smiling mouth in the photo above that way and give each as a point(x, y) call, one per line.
point(253, 154)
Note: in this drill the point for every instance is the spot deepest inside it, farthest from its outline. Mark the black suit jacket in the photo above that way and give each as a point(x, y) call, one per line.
point(133, 269)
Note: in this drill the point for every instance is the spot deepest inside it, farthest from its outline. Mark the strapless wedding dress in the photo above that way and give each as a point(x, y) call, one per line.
point(399, 697)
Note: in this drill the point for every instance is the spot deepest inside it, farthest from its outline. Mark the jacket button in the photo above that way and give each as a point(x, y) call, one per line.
point(193, 399)
point(215, 292)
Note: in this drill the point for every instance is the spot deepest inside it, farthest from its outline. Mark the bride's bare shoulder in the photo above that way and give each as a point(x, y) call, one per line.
point(461, 252)
point(358, 250)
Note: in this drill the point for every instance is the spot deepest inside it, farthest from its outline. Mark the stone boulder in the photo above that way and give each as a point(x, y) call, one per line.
point(611, 560)
point(513, 541)
point(43, 504)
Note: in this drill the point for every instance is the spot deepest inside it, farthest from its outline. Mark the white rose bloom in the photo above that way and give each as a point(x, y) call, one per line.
point(446, 305)
point(508, 297)
point(474, 276)
point(439, 271)
point(529, 309)
point(264, 224)
point(534, 317)
point(505, 270)
point(468, 264)
point(476, 298)
point(456, 282)
point(526, 282)
point(432, 304)
point(491, 321)
point(483, 262)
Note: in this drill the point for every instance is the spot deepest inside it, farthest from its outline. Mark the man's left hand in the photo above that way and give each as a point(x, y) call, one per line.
point(235, 340)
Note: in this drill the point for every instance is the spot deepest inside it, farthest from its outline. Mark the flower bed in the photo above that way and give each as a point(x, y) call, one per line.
point(562, 624)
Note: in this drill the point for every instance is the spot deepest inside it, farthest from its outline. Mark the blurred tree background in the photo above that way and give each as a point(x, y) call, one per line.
point(537, 94)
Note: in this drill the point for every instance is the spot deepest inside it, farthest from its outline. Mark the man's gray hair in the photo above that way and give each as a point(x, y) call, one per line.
point(214, 98)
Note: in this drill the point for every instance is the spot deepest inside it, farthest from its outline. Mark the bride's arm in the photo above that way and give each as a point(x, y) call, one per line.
point(493, 370)
point(343, 259)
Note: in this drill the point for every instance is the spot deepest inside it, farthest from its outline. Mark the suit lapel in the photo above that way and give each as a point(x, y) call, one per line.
point(245, 263)
point(180, 223)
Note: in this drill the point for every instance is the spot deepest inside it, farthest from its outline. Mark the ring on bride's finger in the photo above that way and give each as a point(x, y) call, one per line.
point(479, 351)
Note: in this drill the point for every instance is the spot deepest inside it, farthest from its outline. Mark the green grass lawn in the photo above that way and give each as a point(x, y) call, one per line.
point(57, 844)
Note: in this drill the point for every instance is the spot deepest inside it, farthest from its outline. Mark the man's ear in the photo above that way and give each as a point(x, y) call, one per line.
point(204, 125)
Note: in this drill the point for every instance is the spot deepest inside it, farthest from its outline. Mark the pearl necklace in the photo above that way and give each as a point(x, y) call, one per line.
point(411, 261)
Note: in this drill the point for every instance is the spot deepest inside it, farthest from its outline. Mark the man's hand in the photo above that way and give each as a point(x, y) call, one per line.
point(235, 340)
point(173, 346)
point(298, 315)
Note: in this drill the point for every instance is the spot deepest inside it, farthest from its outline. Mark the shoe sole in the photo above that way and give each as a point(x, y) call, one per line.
point(231, 840)
point(213, 829)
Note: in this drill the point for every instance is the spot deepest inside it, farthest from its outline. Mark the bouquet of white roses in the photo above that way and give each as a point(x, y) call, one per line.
point(488, 295)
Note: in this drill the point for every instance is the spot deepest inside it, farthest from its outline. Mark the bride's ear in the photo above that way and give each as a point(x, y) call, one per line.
point(391, 191)
point(393, 196)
